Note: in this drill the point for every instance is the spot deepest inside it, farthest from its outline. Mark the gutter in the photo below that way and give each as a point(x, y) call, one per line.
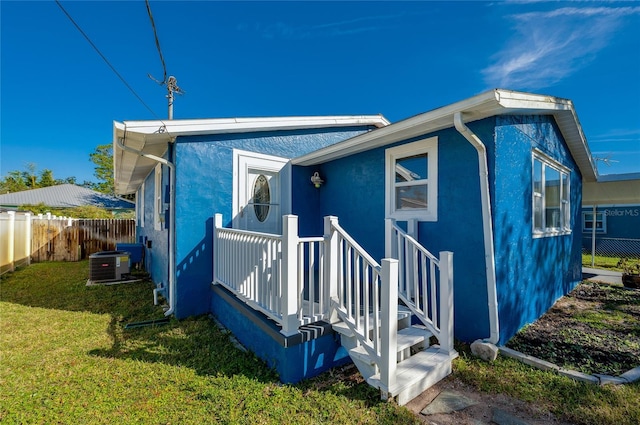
point(172, 214)
point(487, 228)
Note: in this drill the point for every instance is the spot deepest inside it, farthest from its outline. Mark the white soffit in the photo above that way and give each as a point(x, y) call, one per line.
point(153, 137)
point(484, 105)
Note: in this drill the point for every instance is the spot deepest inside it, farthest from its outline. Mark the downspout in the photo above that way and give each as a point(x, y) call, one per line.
point(487, 228)
point(172, 213)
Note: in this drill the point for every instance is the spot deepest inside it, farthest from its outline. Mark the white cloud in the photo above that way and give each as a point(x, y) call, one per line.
point(550, 46)
point(283, 30)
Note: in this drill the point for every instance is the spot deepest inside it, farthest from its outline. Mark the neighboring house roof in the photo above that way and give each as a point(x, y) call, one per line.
point(621, 189)
point(153, 137)
point(64, 196)
point(490, 103)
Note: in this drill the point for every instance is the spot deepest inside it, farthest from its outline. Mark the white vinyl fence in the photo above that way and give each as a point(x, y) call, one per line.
point(15, 240)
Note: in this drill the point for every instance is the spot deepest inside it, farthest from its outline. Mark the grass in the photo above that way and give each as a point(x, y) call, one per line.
point(65, 357)
point(602, 262)
point(577, 402)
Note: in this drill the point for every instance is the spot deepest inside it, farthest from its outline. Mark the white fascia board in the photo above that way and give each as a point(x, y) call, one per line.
point(487, 104)
point(153, 136)
point(427, 122)
point(243, 125)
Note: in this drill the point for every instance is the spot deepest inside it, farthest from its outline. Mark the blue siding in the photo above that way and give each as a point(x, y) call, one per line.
point(204, 185)
point(354, 192)
point(294, 361)
point(531, 273)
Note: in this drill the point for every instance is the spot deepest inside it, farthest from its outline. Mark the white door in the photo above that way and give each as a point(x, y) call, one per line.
point(261, 185)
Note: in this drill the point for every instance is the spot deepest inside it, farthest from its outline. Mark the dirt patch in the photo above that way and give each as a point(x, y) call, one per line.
point(594, 329)
point(481, 413)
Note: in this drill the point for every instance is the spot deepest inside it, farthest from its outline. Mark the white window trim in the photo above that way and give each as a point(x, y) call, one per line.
point(547, 161)
point(430, 147)
point(140, 205)
point(158, 211)
point(242, 161)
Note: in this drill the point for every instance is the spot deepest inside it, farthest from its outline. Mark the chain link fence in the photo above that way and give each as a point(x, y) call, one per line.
point(612, 247)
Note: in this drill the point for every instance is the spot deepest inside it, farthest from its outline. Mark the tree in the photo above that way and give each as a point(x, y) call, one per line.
point(13, 182)
point(102, 157)
point(46, 178)
point(30, 178)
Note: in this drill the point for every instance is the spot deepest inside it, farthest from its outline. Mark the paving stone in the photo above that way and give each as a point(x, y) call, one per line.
point(447, 402)
point(503, 418)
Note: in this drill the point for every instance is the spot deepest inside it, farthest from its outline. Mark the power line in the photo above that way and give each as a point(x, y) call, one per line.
point(106, 60)
point(155, 35)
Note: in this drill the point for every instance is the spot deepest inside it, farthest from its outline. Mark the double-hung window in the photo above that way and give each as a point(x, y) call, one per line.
point(412, 180)
point(551, 197)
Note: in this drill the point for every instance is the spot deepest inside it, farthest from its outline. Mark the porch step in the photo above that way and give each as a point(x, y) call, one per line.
point(407, 338)
point(417, 373)
point(342, 328)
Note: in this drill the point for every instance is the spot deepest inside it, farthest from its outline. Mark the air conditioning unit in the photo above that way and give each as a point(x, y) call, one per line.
point(108, 266)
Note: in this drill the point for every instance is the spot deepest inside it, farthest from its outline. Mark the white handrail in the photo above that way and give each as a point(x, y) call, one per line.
point(361, 296)
point(425, 284)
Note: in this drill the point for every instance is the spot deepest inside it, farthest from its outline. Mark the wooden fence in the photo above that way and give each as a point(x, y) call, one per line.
point(25, 238)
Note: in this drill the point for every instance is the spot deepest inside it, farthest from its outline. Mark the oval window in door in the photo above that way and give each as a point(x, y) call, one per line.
point(261, 198)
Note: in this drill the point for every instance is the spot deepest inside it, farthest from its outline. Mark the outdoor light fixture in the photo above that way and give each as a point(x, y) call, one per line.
point(316, 180)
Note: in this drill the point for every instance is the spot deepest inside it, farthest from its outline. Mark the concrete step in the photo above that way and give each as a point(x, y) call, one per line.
point(416, 374)
point(404, 315)
point(407, 338)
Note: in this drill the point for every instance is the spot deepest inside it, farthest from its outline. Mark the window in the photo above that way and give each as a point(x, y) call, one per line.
point(158, 210)
point(587, 222)
point(261, 198)
point(551, 207)
point(412, 181)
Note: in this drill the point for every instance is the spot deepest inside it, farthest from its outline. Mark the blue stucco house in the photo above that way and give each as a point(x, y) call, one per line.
point(323, 240)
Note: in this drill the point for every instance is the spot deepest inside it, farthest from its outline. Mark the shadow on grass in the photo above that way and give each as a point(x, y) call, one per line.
point(196, 343)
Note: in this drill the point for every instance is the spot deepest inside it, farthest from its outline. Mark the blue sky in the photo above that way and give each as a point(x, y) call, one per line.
point(59, 98)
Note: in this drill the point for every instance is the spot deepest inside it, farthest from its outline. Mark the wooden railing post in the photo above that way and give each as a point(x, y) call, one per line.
point(289, 275)
point(331, 263)
point(389, 322)
point(446, 302)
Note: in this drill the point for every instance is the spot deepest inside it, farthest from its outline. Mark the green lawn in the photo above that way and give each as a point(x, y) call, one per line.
point(65, 357)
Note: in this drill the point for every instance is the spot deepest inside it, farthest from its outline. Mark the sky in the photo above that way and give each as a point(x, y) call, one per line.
point(59, 97)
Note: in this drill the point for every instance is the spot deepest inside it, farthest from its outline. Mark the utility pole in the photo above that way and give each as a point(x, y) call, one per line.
point(172, 87)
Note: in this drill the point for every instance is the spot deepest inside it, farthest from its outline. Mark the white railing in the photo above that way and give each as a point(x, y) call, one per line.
point(425, 282)
point(279, 275)
point(296, 281)
point(365, 297)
